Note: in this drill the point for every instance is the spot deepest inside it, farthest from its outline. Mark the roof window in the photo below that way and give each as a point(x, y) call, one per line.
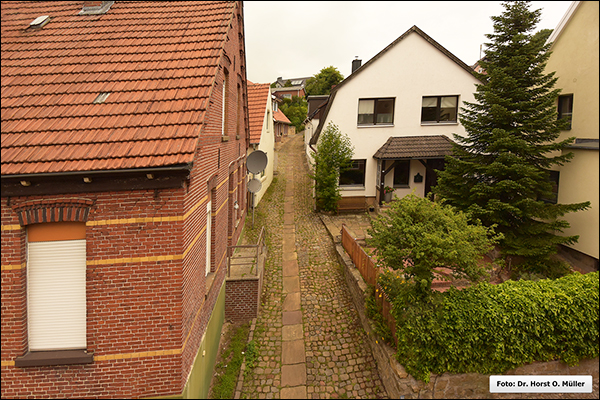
point(101, 98)
point(95, 7)
point(40, 21)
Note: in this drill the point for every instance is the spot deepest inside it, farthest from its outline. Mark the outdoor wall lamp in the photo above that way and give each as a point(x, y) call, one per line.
point(235, 205)
point(418, 178)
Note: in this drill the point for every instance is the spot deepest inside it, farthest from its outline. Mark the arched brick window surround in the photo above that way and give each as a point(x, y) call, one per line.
point(53, 210)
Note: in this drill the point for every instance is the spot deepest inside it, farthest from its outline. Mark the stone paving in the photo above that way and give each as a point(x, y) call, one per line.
point(310, 341)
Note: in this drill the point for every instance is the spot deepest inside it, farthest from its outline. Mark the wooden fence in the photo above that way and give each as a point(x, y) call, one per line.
point(369, 272)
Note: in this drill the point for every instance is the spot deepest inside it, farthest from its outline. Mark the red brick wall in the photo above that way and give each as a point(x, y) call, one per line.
point(138, 306)
point(133, 305)
point(217, 159)
point(241, 299)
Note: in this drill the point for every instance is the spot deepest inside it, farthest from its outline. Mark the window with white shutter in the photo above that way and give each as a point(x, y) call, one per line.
point(56, 286)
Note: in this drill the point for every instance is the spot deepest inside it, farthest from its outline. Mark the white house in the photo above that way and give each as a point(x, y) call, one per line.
point(399, 110)
point(262, 133)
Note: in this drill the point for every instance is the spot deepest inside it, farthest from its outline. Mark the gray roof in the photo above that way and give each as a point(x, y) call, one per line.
point(585, 144)
point(419, 147)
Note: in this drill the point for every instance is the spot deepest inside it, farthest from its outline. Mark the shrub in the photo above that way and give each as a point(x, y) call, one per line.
point(417, 237)
point(490, 329)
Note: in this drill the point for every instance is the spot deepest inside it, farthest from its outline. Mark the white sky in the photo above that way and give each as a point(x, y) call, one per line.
point(295, 39)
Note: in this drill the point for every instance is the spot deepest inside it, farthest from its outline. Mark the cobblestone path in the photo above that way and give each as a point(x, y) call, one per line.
point(310, 341)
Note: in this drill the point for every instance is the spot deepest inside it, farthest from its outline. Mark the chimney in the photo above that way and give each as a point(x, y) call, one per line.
point(356, 63)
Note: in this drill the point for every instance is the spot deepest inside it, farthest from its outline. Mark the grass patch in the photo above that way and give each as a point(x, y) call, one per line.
point(228, 368)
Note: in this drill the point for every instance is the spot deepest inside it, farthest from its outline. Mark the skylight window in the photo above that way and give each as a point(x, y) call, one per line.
point(95, 7)
point(40, 21)
point(101, 98)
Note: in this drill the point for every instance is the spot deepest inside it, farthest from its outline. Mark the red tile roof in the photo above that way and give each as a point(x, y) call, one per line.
point(158, 61)
point(258, 94)
point(280, 117)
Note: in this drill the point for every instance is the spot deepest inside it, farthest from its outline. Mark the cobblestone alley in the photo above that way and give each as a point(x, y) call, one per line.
point(311, 343)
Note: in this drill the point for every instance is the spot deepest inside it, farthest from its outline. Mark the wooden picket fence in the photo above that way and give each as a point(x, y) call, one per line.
point(369, 271)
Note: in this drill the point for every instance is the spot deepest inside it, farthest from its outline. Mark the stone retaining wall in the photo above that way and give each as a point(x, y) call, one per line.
point(401, 385)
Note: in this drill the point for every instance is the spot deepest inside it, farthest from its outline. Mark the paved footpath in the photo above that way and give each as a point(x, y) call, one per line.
point(310, 341)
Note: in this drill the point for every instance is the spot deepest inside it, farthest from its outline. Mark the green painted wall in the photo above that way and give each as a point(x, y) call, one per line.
point(198, 383)
point(202, 371)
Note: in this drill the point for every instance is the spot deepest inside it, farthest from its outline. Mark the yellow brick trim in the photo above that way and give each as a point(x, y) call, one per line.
point(134, 220)
point(7, 363)
point(12, 267)
point(11, 227)
point(135, 260)
point(222, 183)
point(195, 207)
point(142, 354)
point(194, 241)
point(222, 205)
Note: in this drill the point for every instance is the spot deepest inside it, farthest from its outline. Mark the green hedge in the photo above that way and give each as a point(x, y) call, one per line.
point(490, 329)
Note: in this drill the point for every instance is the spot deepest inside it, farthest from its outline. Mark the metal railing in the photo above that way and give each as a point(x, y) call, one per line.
point(252, 260)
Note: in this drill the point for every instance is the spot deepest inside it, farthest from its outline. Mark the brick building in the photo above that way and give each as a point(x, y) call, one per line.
point(124, 139)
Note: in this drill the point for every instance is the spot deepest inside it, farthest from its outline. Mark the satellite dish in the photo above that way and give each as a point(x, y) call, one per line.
point(256, 162)
point(254, 186)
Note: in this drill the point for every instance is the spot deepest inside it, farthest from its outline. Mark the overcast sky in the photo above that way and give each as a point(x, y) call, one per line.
point(295, 39)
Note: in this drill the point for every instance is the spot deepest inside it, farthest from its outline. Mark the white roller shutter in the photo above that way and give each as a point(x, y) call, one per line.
point(56, 295)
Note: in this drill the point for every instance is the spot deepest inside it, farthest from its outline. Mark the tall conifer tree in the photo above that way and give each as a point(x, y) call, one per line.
point(500, 171)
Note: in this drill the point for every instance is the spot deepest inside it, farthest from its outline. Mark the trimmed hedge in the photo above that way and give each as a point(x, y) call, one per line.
point(490, 329)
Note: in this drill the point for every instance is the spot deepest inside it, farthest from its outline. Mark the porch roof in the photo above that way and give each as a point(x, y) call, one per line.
point(418, 147)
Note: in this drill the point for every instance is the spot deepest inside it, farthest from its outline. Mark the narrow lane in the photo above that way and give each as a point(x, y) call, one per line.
point(309, 334)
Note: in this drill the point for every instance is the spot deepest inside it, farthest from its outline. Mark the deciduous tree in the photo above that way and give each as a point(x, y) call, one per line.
point(333, 156)
point(417, 237)
point(322, 82)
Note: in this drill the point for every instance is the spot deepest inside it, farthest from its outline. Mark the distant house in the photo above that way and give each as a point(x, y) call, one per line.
point(124, 137)
point(262, 131)
point(282, 125)
point(287, 88)
point(575, 59)
point(400, 110)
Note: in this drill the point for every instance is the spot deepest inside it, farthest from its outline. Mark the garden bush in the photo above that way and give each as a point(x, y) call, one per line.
point(490, 329)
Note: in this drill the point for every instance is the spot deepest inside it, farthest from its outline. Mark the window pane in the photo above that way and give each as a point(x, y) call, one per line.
point(428, 114)
point(448, 109)
point(565, 108)
point(366, 110)
point(401, 173)
point(449, 102)
point(355, 176)
point(385, 111)
point(429, 102)
point(429, 109)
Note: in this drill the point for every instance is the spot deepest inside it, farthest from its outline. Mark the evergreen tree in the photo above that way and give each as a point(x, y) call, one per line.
point(295, 110)
point(500, 171)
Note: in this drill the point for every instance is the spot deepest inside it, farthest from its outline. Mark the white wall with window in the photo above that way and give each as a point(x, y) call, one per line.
point(387, 98)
